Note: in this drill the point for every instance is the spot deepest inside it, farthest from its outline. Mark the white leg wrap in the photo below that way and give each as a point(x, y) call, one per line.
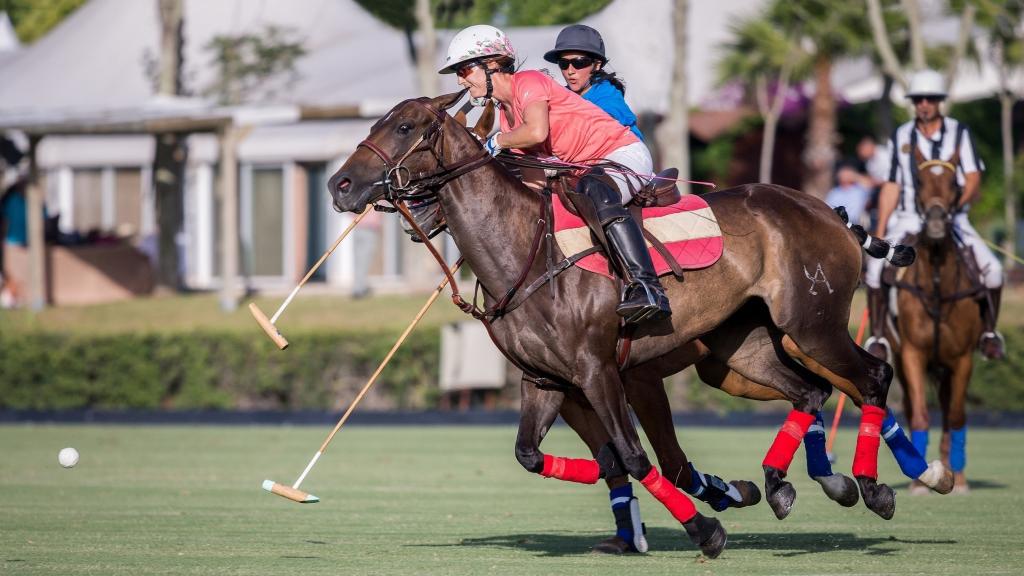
point(639, 540)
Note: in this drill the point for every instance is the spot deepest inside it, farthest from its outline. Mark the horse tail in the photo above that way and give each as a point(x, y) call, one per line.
point(897, 254)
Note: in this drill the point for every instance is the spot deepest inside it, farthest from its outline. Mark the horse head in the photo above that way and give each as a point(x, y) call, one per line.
point(404, 157)
point(938, 194)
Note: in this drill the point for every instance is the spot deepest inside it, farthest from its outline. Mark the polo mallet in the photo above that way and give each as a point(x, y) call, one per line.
point(292, 492)
point(270, 325)
point(842, 397)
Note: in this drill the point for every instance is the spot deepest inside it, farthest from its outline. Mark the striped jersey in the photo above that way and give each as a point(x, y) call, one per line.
point(939, 147)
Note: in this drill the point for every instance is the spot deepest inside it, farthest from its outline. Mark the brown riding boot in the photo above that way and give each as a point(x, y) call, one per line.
point(991, 344)
point(878, 310)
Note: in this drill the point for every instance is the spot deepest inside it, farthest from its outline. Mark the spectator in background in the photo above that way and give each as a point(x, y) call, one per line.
point(13, 211)
point(849, 193)
point(873, 165)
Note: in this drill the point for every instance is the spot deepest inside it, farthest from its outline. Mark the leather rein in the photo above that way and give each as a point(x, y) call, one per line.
point(401, 186)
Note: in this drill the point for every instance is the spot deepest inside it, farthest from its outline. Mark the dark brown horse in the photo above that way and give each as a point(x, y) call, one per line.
point(782, 248)
point(939, 321)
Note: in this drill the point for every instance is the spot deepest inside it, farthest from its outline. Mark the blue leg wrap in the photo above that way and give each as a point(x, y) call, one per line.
point(814, 446)
point(920, 441)
point(958, 449)
point(620, 498)
point(907, 456)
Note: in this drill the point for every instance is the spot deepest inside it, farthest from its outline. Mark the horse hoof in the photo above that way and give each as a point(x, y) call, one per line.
point(707, 534)
point(839, 488)
point(750, 494)
point(937, 477)
point(960, 485)
point(612, 545)
point(879, 498)
point(781, 500)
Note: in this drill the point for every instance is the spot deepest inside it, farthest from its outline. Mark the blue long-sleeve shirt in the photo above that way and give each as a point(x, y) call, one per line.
point(608, 98)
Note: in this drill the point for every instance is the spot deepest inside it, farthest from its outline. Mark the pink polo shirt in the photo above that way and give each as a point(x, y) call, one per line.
point(578, 131)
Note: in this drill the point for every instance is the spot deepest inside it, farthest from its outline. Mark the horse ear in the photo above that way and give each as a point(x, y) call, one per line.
point(486, 121)
point(446, 101)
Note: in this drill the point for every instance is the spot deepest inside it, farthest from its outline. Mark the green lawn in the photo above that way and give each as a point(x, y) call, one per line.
point(176, 500)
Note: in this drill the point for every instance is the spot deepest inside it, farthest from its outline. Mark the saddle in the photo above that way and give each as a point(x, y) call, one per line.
point(682, 232)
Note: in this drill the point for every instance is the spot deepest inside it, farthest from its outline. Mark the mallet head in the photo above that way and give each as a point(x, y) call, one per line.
point(269, 328)
point(290, 493)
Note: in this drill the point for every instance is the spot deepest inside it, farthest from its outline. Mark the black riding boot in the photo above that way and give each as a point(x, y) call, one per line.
point(643, 298)
point(991, 344)
point(878, 309)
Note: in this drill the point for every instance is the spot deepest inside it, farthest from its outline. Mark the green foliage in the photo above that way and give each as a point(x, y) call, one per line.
point(832, 28)
point(979, 115)
point(462, 13)
point(758, 48)
point(44, 370)
point(247, 63)
point(32, 19)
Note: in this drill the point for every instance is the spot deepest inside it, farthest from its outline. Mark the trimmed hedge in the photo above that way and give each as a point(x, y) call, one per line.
point(47, 371)
point(214, 371)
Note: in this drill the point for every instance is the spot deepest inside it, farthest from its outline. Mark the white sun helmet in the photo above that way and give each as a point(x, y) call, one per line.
point(476, 42)
point(927, 83)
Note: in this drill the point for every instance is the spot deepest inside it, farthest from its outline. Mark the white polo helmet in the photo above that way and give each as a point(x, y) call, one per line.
point(476, 42)
point(927, 83)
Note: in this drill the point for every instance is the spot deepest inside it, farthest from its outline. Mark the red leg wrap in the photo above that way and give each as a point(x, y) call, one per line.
point(780, 455)
point(678, 504)
point(571, 469)
point(865, 459)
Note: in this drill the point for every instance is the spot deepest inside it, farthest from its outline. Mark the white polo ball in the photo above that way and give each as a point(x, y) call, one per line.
point(68, 457)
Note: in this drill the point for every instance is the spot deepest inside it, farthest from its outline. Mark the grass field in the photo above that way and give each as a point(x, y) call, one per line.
point(175, 500)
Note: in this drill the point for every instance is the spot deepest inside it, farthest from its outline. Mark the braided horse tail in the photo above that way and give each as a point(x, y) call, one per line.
point(897, 254)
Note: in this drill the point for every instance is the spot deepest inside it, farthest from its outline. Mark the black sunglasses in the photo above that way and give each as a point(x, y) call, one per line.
point(577, 63)
point(932, 99)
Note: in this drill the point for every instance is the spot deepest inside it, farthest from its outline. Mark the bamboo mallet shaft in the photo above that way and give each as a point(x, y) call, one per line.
point(269, 324)
point(373, 378)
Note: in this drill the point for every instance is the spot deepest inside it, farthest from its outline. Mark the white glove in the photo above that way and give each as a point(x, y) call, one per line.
point(492, 145)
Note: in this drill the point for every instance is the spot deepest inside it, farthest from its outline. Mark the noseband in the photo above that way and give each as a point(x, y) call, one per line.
point(398, 180)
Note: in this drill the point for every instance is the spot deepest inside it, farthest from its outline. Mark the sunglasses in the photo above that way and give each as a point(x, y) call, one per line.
point(932, 99)
point(577, 63)
point(464, 71)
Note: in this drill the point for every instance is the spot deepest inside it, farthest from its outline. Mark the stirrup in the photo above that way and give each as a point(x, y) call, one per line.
point(988, 336)
point(652, 310)
point(884, 343)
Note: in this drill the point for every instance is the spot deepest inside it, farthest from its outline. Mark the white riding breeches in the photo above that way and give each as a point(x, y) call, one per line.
point(636, 157)
point(903, 223)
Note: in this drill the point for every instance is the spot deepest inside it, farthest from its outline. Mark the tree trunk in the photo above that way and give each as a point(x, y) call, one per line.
point(1006, 100)
point(883, 108)
point(171, 152)
point(819, 152)
point(771, 124)
point(426, 53)
point(674, 132)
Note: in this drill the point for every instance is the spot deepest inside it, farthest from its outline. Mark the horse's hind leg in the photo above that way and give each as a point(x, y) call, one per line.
point(866, 380)
point(749, 351)
point(602, 386)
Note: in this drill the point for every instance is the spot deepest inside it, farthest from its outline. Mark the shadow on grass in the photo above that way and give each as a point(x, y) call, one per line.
point(974, 484)
point(667, 540)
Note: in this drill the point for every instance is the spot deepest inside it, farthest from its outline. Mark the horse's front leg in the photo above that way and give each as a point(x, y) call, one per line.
point(602, 386)
point(953, 395)
point(913, 361)
point(538, 410)
point(629, 529)
point(646, 394)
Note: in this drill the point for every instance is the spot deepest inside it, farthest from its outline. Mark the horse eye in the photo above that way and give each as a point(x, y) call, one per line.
point(404, 128)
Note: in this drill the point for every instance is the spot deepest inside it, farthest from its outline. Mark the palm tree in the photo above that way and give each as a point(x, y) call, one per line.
point(827, 30)
point(761, 55)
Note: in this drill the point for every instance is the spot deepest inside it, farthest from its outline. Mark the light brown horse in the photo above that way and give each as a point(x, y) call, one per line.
point(782, 248)
point(939, 319)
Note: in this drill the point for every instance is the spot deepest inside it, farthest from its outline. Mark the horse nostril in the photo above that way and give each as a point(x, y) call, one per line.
point(342, 184)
